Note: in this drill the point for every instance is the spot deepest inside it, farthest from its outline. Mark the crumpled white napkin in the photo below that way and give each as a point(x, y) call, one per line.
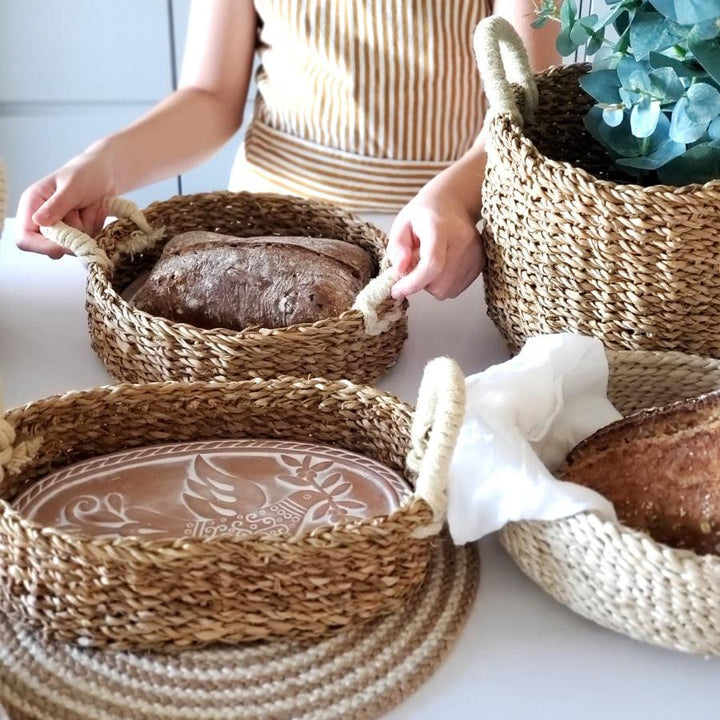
point(521, 420)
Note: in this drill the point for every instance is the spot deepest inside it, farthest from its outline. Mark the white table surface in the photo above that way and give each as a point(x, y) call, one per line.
point(521, 654)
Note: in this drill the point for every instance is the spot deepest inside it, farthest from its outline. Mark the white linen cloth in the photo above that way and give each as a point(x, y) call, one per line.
point(522, 418)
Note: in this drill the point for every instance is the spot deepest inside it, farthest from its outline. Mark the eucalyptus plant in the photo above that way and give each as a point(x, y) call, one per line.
point(655, 79)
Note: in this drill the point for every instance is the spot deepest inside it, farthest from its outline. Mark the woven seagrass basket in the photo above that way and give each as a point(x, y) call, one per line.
point(130, 592)
point(619, 577)
point(571, 246)
point(360, 344)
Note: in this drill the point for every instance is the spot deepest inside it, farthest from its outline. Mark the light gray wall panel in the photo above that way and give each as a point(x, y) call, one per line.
point(61, 50)
point(34, 145)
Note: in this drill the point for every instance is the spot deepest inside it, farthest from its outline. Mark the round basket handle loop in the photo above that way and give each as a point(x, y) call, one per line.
point(502, 59)
point(14, 456)
point(85, 247)
point(369, 299)
point(438, 417)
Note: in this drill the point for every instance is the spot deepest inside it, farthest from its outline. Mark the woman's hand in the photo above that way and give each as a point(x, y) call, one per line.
point(74, 194)
point(435, 245)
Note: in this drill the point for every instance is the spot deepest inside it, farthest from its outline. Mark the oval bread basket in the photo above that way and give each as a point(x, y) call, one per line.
point(570, 244)
point(616, 576)
point(134, 593)
point(360, 344)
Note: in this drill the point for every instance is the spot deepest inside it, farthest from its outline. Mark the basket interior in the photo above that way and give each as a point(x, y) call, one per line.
point(240, 215)
point(558, 131)
point(98, 422)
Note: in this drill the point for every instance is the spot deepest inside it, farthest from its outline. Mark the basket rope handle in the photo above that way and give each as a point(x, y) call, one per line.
point(438, 417)
point(369, 299)
point(85, 247)
point(13, 456)
point(502, 59)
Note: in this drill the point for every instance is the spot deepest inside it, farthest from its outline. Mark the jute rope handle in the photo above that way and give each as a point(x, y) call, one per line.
point(85, 247)
point(369, 299)
point(502, 59)
point(438, 418)
point(13, 455)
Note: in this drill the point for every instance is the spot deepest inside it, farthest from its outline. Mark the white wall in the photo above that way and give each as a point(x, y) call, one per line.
point(72, 71)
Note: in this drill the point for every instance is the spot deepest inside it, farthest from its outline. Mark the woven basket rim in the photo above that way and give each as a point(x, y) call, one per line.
point(710, 562)
point(582, 175)
point(103, 277)
point(329, 535)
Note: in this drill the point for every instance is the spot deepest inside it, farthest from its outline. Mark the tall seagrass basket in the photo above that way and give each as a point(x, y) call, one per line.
point(616, 576)
point(360, 344)
point(132, 592)
point(570, 245)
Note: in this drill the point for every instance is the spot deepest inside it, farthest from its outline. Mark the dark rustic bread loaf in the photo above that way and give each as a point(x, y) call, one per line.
point(211, 280)
point(661, 470)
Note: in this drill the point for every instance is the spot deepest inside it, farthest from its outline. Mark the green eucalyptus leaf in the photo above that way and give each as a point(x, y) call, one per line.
point(688, 69)
point(699, 164)
point(540, 22)
point(684, 127)
point(644, 118)
point(664, 153)
point(707, 30)
point(629, 98)
point(627, 66)
point(564, 44)
point(704, 101)
point(613, 116)
point(714, 129)
point(580, 34)
point(623, 43)
point(707, 53)
point(638, 82)
point(568, 13)
point(595, 42)
point(665, 85)
point(687, 12)
point(619, 139)
point(650, 31)
point(603, 85)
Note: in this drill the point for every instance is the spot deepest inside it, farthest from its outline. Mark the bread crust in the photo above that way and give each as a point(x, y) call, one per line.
point(220, 281)
point(661, 470)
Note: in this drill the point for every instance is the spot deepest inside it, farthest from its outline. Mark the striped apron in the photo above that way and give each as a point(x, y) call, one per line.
point(361, 102)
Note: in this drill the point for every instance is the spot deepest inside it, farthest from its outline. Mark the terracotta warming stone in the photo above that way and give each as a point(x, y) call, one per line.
point(202, 489)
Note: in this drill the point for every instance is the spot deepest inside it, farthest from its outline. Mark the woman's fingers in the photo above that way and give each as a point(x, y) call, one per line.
point(433, 251)
point(28, 235)
point(401, 245)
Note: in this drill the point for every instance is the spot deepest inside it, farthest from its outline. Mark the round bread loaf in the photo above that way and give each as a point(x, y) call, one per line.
point(661, 470)
point(220, 281)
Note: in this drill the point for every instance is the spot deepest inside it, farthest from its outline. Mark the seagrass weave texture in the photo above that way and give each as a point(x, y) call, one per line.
point(357, 674)
point(360, 344)
point(616, 576)
point(131, 592)
point(573, 246)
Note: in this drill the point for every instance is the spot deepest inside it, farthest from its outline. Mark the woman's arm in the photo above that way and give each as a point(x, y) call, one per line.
point(434, 239)
point(178, 133)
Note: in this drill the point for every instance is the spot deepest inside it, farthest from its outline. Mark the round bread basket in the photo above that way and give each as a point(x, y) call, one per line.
point(617, 576)
point(133, 593)
point(572, 247)
point(360, 344)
